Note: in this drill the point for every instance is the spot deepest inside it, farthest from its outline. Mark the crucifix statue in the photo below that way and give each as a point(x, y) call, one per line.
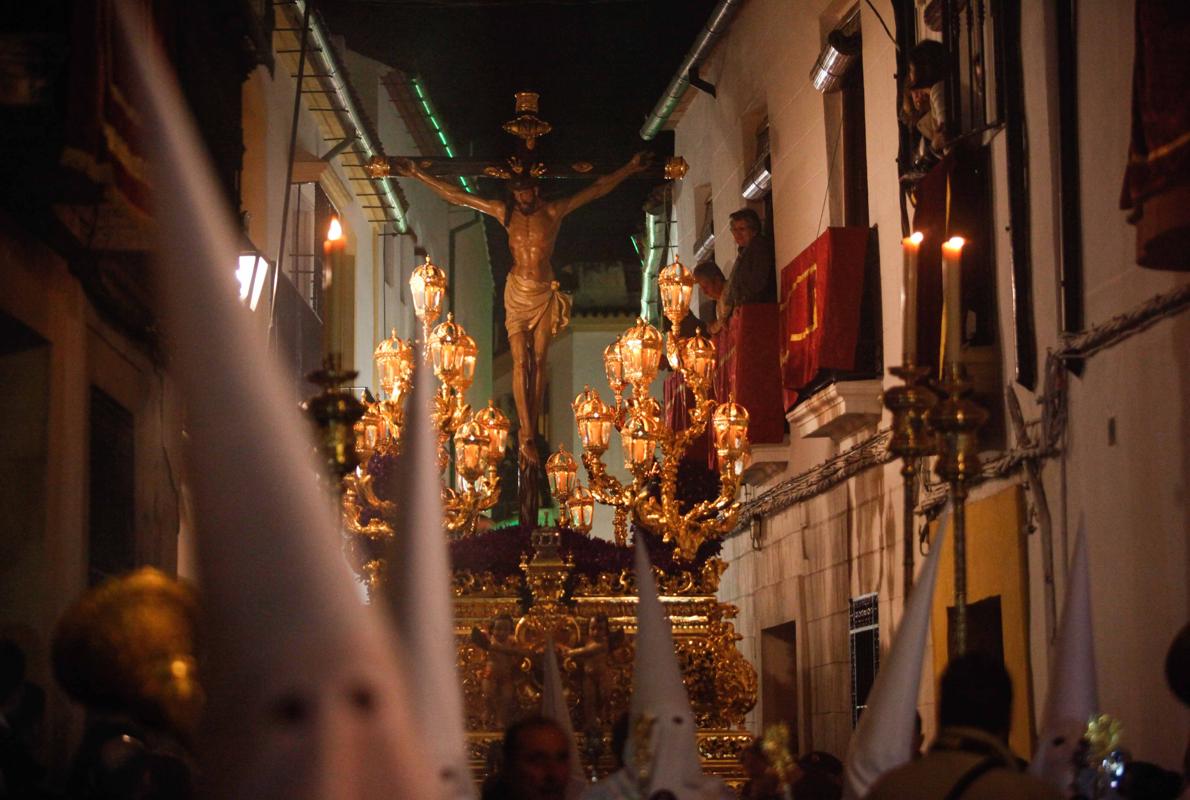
point(535, 310)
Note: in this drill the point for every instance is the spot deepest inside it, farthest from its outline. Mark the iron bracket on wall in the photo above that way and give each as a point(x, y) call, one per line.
point(699, 83)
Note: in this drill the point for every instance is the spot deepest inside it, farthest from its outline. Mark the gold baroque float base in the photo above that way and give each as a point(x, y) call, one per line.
point(503, 628)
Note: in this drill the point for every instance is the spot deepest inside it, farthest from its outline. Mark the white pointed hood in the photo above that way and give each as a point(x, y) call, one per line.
point(1072, 696)
point(668, 757)
point(420, 596)
point(883, 740)
point(553, 706)
point(305, 700)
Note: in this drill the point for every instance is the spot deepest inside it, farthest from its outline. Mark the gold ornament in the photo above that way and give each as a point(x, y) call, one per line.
point(133, 644)
point(1103, 736)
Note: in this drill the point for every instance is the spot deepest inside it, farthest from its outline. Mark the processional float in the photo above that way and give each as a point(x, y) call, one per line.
point(515, 590)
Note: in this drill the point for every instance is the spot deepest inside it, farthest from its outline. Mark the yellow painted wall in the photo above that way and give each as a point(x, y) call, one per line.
point(996, 565)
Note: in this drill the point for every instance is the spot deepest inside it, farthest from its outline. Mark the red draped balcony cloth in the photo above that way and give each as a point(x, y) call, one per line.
point(678, 401)
point(821, 291)
point(749, 367)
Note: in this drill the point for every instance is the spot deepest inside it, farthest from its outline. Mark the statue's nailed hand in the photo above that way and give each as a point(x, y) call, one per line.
point(404, 167)
point(641, 161)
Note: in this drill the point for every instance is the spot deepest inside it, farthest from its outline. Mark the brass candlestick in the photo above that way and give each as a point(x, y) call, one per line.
point(911, 440)
point(335, 411)
point(956, 420)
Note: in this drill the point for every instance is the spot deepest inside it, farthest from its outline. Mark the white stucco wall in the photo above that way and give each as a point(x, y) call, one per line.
point(1131, 490)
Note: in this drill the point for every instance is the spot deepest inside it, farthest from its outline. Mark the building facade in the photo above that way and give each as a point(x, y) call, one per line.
point(92, 449)
point(817, 573)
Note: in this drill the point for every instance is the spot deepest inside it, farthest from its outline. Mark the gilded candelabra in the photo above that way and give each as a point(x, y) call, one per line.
point(576, 504)
point(478, 439)
point(956, 418)
point(335, 413)
point(911, 441)
point(633, 361)
point(925, 425)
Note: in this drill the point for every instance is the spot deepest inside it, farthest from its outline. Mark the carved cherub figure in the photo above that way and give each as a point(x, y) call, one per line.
point(593, 657)
point(505, 659)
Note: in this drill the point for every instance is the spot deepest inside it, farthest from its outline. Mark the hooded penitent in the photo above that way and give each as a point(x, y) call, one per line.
point(553, 706)
point(662, 749)
point(420, 596)
point(1072, 696)
point(305, 699)
point(883, 740)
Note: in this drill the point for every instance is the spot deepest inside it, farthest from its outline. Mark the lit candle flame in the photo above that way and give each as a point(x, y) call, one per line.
point(955, 243)
point(335, 232)
point(917, 238)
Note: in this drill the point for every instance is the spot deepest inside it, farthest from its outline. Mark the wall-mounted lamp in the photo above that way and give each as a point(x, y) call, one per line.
point(837, 57)
point(251, 272)
point(759, 179)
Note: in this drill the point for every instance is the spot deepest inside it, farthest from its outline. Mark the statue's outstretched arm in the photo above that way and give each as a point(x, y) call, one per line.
point(451, 193)
point(604, 183)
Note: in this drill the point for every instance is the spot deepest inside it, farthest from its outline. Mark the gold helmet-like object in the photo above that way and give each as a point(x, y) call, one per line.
point(131, 644)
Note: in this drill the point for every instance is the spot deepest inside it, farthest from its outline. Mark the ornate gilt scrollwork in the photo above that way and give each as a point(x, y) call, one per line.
point(592, 623)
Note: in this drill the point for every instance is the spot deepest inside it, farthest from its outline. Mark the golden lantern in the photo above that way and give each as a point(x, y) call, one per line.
point(743, 460)
point(730, 426)
point(639, 438)
point(427, 285)
point(580, 508)
point(468, 355)
point(562, 471)
point(471, 449)
point(371, 432)
point(613, 367)
point(640, 352)
point(652, 450)
point(698, 360)
point(495, 426)
point(394, 362)
point(453, 354)
point(595, 420)
point(676, 285)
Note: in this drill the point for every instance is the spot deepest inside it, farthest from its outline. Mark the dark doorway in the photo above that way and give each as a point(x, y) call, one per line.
point(778, 684)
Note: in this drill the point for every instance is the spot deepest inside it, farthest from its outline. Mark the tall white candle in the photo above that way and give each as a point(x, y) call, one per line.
point(910, 246)
point(952, 294)
point(332, 262)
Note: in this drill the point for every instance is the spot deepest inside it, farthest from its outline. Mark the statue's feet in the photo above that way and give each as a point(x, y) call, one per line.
point(528, 453)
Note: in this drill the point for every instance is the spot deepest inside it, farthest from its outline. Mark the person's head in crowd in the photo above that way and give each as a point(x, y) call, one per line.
point(823, 763)
point(1142, 779)
point(763, 780)
point(816, 785)
point(710, 279)
point(745, 226)
point(927, 65)
point(536, 760)
point(976, 692)
point(1177, 675)
point(619, 738)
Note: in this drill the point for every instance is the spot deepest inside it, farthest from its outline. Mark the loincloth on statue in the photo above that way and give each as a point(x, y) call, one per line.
point(529, 304)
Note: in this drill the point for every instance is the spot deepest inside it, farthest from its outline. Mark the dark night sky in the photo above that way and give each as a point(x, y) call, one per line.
point(599, 66)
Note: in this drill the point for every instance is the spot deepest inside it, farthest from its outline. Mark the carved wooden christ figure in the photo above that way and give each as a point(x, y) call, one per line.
point(535, 310)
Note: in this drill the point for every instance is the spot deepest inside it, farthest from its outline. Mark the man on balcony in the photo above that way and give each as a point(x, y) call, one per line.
point(753, 279)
